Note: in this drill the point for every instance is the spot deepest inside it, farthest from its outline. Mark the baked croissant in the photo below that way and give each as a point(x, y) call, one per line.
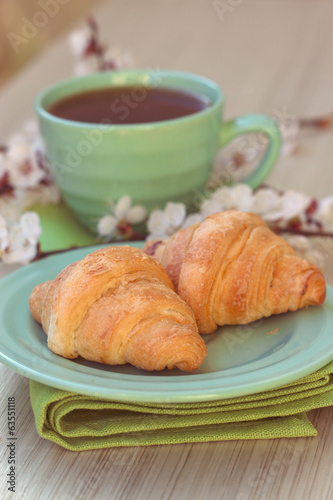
point(232, 269)
point(117, 306)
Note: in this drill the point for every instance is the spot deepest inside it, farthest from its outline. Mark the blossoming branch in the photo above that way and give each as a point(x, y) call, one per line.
point(25, 180)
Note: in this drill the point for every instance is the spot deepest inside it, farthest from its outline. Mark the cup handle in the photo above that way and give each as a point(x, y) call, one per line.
point(255, 123)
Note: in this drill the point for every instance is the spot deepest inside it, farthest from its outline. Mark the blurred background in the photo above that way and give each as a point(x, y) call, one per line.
point(21, 36)
point(269, 56)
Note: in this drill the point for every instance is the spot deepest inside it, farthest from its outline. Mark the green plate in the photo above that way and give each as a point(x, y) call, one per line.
point(241, 360)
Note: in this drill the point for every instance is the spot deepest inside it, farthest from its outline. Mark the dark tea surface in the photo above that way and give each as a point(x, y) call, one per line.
point(129, 105)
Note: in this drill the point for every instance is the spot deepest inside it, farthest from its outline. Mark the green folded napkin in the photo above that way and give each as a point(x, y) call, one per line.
point(61, 229)
point(79, 422)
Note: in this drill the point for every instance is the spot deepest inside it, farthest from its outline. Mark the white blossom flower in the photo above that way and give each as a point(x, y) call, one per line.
point(211, 206)
point(31, 129)
point(107, 225)
point(3, 166)
point(25, 174)
point(292, 204)
point(122, 207)
point(86, 66)
point(163, 223)
point(290, 134)
point(120, 58)
point(21, 163)
point(37, 145)
point(304, 249)
point(122, 211)
point(18, 147)
point(10, 208)
point(266, 203)
point(192, 219)
point(222, 195)
point(324, 212)
point(175, 214)
point(30, 226)
point(19, 240)
point(78, 41)
point(47, 194)
point(4, 236)
point(239, 197)
point(20, 251)
point(136, 214)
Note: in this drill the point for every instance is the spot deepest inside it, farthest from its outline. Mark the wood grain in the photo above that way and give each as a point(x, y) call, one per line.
point(268, 56)
point(254, 470)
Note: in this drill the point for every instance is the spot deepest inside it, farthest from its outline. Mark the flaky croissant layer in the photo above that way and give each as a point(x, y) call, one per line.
point(232, 269)
point(117, 306)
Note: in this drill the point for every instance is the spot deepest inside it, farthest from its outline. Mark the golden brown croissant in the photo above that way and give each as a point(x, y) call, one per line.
point(117, 306)
point(232, 269)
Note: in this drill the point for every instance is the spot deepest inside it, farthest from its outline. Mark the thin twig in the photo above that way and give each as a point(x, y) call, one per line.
point(322, 122)
point(137, 237)
point(301, 232)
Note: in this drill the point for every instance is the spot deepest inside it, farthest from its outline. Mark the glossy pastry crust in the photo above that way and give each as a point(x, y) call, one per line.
point(116, 306)
point(232, 269)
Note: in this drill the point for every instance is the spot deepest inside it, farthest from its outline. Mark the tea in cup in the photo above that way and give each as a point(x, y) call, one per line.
point(150, 135)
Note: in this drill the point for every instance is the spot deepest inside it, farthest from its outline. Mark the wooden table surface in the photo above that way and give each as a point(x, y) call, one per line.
point(272, 57)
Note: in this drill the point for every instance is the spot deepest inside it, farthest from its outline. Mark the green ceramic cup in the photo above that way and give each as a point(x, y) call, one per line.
point(153, 163)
